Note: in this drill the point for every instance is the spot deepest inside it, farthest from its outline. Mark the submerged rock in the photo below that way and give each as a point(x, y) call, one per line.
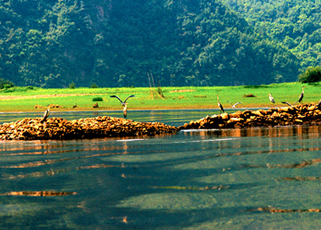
point(61, 129)
point(300, 114)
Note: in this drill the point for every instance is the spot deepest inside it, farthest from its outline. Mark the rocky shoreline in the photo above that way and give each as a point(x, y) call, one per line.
point(105, 126)
point(61, 129)
point(309, 114)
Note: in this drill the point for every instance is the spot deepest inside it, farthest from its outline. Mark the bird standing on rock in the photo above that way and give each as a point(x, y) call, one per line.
point(271, 99)
point(301, 96)
point(123, 103)
point(220, 106)
point(45, 115)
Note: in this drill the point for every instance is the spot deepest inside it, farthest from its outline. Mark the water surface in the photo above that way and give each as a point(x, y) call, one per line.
point(210, 179)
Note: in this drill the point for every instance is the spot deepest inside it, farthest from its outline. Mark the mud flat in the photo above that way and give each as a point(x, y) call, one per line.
point(61, 129)
point(309, 114)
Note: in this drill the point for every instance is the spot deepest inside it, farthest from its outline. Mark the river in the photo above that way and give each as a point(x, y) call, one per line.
point(259, 178)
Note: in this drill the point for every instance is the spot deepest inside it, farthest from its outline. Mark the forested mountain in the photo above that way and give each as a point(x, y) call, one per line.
point(295, 24)
point(51, 43)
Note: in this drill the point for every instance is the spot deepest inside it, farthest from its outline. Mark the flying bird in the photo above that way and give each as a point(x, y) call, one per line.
point(301, 95)
point(45, 115)
point(123, 103)
point(284, 102)
point(271, 99)
point(219, 105)
point(233, 106)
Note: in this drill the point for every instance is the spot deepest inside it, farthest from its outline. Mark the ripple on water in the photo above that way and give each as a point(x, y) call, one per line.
point(226, 179)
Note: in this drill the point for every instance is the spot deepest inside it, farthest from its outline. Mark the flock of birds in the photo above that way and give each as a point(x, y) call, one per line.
point(284, 102)
point(271, 99)
point(123, 103)
point(220, 106)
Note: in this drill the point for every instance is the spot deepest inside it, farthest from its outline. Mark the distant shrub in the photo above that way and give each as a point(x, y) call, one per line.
point(311, 74)
point(97, 99)
point(249, 95)
point(93, 85)
point(72, 85)
point(5, 84)
point(255, 86)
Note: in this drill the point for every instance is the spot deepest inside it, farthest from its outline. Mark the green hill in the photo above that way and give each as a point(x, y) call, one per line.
point(294, 24)
point(51, 43)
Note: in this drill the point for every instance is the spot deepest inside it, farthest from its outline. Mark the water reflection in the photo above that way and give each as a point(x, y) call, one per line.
point(38, 193)
point(210, 179)
point(299, 131)
point(277, 210)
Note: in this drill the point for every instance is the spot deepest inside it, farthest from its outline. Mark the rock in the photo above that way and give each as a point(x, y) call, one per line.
point(225, 116)
point(61, 129)
point(300, 114)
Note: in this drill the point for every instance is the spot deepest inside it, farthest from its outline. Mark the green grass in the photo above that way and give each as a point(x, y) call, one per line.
point(187, 98)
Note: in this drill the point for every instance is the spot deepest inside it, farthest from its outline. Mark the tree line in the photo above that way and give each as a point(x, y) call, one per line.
point(52, 43)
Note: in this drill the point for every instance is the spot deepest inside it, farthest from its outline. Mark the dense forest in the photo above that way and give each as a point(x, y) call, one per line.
point(52, 43)
point(294, 24)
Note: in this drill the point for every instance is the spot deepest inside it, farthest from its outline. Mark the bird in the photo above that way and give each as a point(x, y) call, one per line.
point(233, 106)
point(284, 102)
point(123, 103)
point(319, 105)
point(125, 110)
point(301, 95)
point(220, 105)
point(45, 115)
point(271, 99)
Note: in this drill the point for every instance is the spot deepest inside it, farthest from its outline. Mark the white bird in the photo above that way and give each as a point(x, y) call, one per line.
point(125, 110)
point(123, 103)
point(233, 106)
point(271, 99)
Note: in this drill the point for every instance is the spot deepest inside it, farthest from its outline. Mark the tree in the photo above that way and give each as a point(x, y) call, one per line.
point(311, 74)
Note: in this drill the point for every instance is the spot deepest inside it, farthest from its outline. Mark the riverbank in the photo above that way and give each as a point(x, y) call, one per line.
point(21, 99)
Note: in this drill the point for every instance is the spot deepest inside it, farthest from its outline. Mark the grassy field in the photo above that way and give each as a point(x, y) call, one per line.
point(26, 98)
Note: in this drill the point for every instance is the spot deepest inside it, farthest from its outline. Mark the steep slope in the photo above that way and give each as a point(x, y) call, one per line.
point(294, 24)
point(119, 43)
